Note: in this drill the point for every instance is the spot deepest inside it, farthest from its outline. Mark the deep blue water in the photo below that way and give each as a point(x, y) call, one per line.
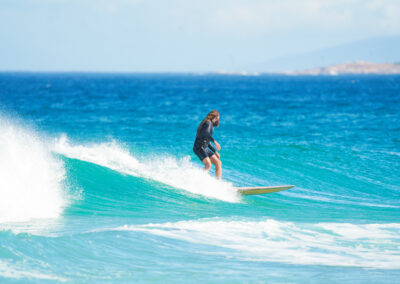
point(98, 182)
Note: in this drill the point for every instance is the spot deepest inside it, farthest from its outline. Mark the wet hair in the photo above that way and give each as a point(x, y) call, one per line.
point(211, 115)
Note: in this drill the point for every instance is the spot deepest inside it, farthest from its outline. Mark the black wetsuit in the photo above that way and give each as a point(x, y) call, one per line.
point(203, 140)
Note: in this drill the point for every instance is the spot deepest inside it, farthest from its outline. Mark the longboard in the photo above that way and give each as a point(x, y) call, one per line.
point(262, 189)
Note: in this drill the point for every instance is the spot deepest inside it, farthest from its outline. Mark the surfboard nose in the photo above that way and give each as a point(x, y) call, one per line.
point(262, 189)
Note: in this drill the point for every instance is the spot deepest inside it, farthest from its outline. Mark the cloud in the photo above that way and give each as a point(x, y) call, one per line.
point(181, 34)
point(389, 14)
point(254, 17)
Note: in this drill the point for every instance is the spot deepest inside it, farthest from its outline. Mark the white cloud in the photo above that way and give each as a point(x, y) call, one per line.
point(389, 14)
point(252, 17)
point(183, 33)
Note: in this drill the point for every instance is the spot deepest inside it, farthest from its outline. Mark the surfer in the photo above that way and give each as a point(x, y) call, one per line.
point(202, 144)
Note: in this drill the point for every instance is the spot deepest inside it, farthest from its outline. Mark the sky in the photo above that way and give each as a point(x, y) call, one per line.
point(180, 35)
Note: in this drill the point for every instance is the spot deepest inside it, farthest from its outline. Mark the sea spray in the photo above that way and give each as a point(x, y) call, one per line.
point(31, 178)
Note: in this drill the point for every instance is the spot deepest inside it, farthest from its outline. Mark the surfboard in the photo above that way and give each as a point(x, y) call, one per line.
point(262, 189)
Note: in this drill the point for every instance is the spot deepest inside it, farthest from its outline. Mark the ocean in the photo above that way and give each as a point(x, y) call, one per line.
point(99, 183)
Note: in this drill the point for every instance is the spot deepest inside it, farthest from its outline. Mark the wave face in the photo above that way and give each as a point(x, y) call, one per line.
point(181, 174)
point(98, 169)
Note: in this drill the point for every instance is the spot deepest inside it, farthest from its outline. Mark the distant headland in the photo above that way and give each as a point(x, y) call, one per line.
point(358, 67)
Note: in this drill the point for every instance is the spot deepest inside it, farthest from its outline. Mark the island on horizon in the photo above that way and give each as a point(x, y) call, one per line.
point(357, 67)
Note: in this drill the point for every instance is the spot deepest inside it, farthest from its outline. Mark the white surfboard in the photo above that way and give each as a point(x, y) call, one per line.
point(262, 189)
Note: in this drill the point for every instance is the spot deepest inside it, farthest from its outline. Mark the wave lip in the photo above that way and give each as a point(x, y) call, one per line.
point(31, 179)
point(331, 244)
point(180, 174)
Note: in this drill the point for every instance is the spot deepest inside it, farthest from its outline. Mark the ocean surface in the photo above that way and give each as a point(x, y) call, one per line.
point(99, 184)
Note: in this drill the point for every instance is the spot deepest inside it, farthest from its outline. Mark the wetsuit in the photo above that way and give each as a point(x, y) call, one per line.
point(203, 140)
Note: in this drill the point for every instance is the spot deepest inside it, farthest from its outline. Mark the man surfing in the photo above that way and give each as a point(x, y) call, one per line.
point(202, 144)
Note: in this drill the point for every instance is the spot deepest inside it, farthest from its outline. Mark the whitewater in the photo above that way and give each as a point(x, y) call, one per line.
point(98, 182)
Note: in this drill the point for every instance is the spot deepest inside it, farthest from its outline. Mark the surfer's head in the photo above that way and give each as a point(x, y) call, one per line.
point(213, 116)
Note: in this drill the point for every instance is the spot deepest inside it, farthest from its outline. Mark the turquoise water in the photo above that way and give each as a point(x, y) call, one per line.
point(98, 182)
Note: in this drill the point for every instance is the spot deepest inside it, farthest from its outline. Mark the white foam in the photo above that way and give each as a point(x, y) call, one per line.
point(178, 173)
point(30, 177)
point(335, 244)
point(11, 271)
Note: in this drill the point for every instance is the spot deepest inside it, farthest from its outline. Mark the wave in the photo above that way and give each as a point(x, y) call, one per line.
point(178, 173)
point(31, 178)
point(338, 199)
point(331, 244)
point(12, 271)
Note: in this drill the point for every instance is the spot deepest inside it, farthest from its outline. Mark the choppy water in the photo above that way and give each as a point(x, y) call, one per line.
point(98, 182)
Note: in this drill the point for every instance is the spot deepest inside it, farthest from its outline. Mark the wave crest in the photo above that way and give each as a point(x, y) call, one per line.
point(178, 173)
point(31, 179)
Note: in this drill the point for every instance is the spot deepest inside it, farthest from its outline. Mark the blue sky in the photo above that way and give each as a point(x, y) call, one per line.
point(180, 35)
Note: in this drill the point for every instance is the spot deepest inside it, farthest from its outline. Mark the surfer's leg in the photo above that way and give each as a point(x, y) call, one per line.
point(207, 163)
point(218, 166)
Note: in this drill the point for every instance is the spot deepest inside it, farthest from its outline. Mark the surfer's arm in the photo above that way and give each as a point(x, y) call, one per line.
point(207, 131)
point(217, 145)
point(211, 147)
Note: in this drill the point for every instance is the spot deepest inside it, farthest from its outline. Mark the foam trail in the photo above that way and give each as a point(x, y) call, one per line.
point(181, 174)
point(8, 271)
point(31, 179)
point(333, 244)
